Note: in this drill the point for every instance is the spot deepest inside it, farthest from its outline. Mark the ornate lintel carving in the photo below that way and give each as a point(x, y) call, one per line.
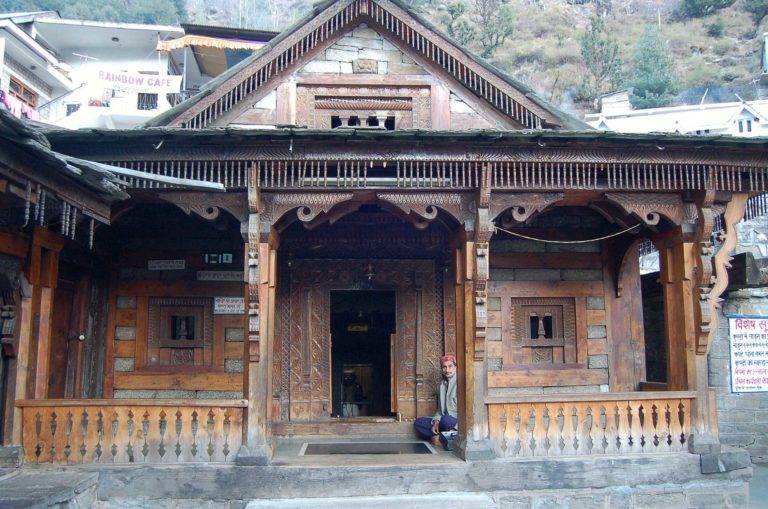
point(209, 205)
point(650, 206)
point(308, 205)
point(522, 205)
point(720, 262)
point(425, 206)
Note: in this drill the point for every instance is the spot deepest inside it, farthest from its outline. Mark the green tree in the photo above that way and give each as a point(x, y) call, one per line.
point(458, 25)
point(699, 8)
point(495, 21)
point(601, 56)
point(653, 79)
point(132, 11)
point(757, 8)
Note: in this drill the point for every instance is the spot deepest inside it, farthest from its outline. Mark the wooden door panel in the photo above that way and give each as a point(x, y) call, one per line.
point(63, 300)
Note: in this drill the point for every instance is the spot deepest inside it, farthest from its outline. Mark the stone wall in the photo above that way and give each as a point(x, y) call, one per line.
point(742, 418)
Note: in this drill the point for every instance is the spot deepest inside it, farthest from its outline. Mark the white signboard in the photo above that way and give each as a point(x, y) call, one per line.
point(133, 81)
point(749, 353)
point(220, 275)
point(228, 305)
point(166, 264)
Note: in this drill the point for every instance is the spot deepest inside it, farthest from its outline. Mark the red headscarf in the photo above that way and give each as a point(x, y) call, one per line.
point(446, 358)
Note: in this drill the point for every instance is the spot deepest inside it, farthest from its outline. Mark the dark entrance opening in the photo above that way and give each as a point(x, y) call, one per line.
point(362, 323)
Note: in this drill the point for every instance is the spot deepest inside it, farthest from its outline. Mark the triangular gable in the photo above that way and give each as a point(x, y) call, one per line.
point(328, 21)
point(749, 109)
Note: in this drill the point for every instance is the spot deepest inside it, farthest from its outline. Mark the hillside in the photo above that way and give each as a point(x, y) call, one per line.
point(538, 41)
point(718, 53)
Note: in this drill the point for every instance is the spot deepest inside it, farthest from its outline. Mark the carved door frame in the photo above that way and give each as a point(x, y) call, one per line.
point(303, 353)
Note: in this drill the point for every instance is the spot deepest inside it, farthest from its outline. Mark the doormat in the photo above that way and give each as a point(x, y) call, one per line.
point(366, 448)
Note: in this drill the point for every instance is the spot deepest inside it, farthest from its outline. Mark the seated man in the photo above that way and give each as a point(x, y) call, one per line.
point(445, 419)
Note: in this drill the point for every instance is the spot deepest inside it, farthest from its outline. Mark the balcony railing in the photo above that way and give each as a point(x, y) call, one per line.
point(110, 431)
point(590, 424)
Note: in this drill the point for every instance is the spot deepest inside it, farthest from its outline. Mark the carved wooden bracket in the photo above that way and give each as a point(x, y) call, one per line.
point(522, 205)
point(650, 206)
point(734, 212)
point(425, 206)
point(307, 205)
point(621, 247)
point(209, 205)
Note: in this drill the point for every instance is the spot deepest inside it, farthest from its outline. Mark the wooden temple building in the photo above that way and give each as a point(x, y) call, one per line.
point(364, 195)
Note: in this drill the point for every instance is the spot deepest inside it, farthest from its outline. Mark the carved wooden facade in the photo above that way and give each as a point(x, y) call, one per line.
point(514, 250)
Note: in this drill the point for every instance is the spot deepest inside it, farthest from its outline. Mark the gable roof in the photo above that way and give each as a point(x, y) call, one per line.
point(393, 20)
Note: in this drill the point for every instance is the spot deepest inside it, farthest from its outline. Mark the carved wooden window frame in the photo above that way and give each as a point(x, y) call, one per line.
point(159, 309)
point(565, 310)
point(410, 104)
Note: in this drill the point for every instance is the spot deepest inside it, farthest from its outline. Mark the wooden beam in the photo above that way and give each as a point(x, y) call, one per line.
point(546, 260)
point(547, 377)
point(14, 244)
point(186, 381)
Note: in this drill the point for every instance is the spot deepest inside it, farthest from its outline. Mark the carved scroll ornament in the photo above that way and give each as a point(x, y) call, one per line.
point(209, 205)
point(308, 205)
point(522, 205)
point(734, 212)
point(650, 206)
point(427, 205)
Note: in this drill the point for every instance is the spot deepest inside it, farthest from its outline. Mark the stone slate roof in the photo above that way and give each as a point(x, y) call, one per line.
point(62, 138)
point(30, 143)
point(567, 120)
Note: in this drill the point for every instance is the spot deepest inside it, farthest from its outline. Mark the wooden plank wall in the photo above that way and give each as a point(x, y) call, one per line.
point(134, 368)
point(608, 329)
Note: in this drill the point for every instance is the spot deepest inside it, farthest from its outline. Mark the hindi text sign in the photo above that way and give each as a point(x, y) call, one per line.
point(749, 353)
point(228, 305)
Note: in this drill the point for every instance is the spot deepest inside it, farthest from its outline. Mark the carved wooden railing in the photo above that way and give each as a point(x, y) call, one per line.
point(71, 431)
point(590, 424)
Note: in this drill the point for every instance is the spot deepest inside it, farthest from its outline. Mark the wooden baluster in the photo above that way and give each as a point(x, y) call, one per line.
point(112, 424)
point(583, 429)
point(616, 429)
point(539, 433)
point(678, 429)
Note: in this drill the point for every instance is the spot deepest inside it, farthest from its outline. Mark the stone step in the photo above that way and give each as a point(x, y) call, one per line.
point(344, 428)
point(43, 488)
point(436, 501)
point(10, 456)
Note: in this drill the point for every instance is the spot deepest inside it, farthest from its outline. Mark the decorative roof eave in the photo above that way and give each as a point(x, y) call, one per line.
point(290, 143)
point(328, 19)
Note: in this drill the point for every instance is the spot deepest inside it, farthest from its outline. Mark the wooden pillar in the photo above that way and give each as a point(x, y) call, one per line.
point(691, 302)
point(473, 440)
point(261, 270)
point(32, 353)
point(678, 312)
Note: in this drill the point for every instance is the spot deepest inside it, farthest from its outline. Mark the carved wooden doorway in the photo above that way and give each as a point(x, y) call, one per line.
point(363, 340)
point(302, 383)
